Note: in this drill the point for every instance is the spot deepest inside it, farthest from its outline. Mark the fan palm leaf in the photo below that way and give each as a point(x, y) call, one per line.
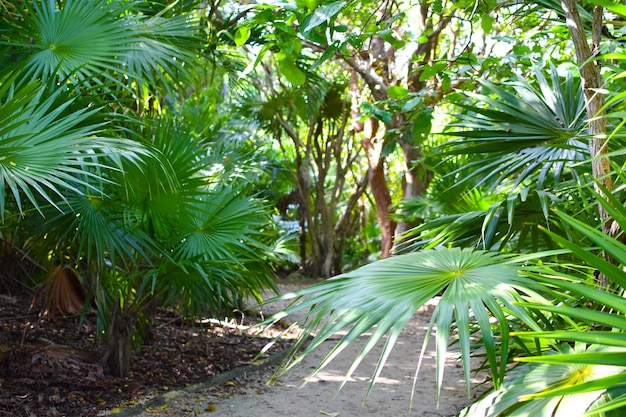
point(383, 296)
point(159, 48)
point(87, 41)
point(512, 143)
point(49, 149)
point(223, 228)
point(95, 229)
point(559, 376)
point(504, 221)
point(527, 134)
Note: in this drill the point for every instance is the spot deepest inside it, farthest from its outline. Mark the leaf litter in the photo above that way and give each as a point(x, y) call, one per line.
point(49, 366)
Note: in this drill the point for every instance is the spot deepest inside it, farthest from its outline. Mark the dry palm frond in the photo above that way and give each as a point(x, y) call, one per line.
point(64, 293)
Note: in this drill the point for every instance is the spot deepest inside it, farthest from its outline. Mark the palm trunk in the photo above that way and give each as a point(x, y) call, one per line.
point(116, 358)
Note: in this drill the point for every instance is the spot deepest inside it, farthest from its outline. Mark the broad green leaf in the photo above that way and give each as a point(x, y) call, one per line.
point(291, 72)
point(284, 27)
point(321, 15)
point(423, 123)
point(390, 36)
point(486, 23)
point(614, 7)
point(397, 91)
point(412, 103)
point(328, 53)
point(242, 35)
point(380, 114)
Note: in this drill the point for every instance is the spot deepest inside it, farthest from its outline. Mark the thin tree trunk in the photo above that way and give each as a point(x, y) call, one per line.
point(376, 171)
point(592, 84)
point(116, 358)
point(416, 181)
point(343, 227)
point(378, 185)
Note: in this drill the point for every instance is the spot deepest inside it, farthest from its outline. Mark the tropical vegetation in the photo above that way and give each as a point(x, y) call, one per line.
point(181, 154)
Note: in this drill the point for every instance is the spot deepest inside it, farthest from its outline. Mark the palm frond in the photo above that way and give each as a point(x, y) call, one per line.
point(382, 297)
point(224, 228)
point(592, 376)
point(95, 228)
point(159, 48)
point(77, 40)
point(547, 389)
point(46, 147)
point(504, 220)
point(87, 42)
point(525, 134)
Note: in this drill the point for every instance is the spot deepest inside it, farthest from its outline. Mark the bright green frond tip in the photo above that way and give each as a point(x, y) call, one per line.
point(380, 298)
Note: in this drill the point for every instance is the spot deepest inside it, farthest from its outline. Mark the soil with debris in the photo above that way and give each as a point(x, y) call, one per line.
point(51, 366)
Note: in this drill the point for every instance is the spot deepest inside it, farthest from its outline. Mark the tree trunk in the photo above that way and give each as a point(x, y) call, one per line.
point(116, 358)
point(348, 224)
point(416, 181)
point(376, 165)
point(327, 152)
point(592, 83)
point(378, 185)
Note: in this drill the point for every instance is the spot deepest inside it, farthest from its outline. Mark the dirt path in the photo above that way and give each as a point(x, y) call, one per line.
point(250, 396)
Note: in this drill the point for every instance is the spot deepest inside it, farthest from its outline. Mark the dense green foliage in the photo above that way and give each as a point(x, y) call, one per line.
point(514, 170)
point(103, 174)
point(170, 154)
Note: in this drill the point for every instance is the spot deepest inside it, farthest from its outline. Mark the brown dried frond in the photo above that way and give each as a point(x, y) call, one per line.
point(64, 293)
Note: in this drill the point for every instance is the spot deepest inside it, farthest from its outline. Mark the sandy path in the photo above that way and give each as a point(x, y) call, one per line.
point(319, 397)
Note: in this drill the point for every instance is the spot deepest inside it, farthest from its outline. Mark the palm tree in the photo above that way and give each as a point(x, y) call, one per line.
point(585, 367)
point(102, 175)
point(518, 153)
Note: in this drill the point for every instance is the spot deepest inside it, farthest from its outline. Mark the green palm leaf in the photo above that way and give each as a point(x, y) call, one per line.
point(383, 296)
point(77, 40)
point(96, 229)
point(612, 246)
point(548, 388)
point(225, 227)
point(159, 48)
point(49, 150)
point(530, 133)
point(513, 141)
point(597, 320)
point(89, 41)
point(507, 220)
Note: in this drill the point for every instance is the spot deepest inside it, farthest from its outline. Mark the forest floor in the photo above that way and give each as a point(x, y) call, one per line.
point(49, 368)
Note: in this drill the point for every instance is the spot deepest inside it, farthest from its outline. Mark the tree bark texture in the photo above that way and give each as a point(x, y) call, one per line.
point(376, 171)
point(378, 185)
point(593, 82)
